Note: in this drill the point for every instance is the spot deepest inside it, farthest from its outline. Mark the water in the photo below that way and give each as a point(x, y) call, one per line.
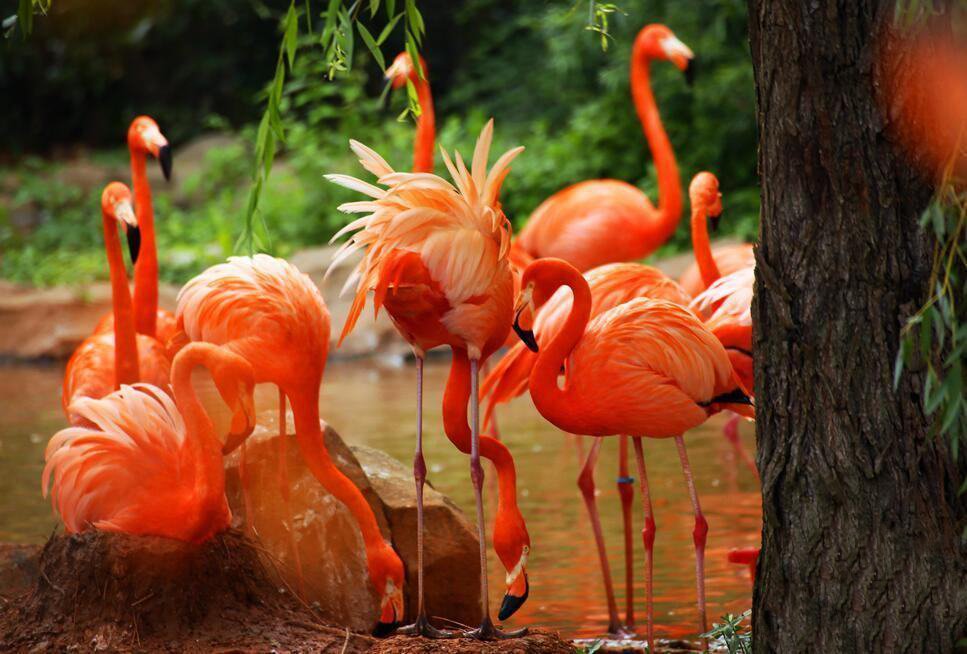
point(374, 405)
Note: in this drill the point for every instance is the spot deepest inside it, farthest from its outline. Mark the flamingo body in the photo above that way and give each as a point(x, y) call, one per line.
point(728, 259)
point(726, 309)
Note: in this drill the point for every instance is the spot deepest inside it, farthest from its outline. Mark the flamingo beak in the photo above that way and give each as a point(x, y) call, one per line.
point(124, 212)
point(690, 71)
point(681, 55)
point(157, 145)
point(515, 597)
point(392, 611)
point(526, 335)
point(243, 423)
point(164, 158)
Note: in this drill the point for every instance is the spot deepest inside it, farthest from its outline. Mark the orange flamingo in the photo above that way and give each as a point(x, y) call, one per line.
point(610, 285)
point(647, 368)
point(710, 264)
point(145, 138)
point(266, 311)
point(146, 464)
point(399, 73)
point(605, 220)
point(104, 361)
point(436, 256)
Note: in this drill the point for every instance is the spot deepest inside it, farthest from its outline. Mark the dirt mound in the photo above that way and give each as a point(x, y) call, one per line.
point(537, 641)
point(114, 592)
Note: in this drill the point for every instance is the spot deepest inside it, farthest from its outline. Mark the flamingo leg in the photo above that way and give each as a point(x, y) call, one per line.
point(625, 491)
point(285, 490)
point(586, 484)
point(421, 626)
point(245, 481)
point(731, 433)
point(699, 534)
point(486, 630)
point(648, 536)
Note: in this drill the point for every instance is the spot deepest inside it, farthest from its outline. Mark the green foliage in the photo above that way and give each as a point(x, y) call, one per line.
point(733, 634)
point(24, 18)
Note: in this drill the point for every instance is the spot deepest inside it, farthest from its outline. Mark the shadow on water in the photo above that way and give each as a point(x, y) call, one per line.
point(374, 405)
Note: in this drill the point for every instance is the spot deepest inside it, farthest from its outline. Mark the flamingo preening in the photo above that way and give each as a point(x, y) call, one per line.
point(436, 256)
point(399, 73)
point(106, 360)
point(271, 315)
point(647, 368)
point(606, 220)
point(146, 464)
point(145, 138)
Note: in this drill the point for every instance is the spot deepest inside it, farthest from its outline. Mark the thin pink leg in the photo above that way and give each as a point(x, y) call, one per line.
point(731, 433)
point(243, 478)
point(586, 484)
point(648, 537)
point(626, 493)
point(699, 534)
point(285, 490)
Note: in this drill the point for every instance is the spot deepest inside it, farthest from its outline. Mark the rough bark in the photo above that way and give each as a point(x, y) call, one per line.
point(861, 518)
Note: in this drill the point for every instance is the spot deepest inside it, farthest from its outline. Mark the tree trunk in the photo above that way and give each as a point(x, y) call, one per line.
point(861, 537)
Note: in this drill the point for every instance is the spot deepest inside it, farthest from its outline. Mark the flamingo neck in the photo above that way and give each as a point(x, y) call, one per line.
point(146, 269)
point(669, 184)
point(552, 401)
point(425, 129)
point(311, 437)
point(126, 369)
point(201, 431)
point(702, 247)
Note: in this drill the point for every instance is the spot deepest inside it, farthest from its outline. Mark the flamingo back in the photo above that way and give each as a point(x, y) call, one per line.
point(134, 470)
point(728, 259)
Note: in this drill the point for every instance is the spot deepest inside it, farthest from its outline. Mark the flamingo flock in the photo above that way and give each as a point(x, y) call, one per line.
point(603, 345)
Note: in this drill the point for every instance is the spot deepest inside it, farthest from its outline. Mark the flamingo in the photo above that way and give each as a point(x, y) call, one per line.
point(710, 264)
point(647, 368)
point(605, 220)
point(104, 361)
point(270, 314)
point(399, 72)
point(610, 285)
point(144, 138)
point(436, 256)
point(148, 465)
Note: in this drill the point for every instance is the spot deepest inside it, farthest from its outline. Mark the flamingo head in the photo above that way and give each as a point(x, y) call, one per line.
point(116, 203)
point(386, 571)
point(704, 192)
point(402, 69)
point(658, 42)
point(512, 544)
point(236, 384)
point(538, 283)
point(145, 136)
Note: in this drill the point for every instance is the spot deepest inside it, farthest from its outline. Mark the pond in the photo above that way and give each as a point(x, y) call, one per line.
point(373, 404)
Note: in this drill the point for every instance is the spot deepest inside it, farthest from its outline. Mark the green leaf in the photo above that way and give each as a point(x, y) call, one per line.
point(413, 98)
point(373, 8)
point(25, 17)
point(371, 45)
point(388, 29)
point(925, 341)
point(413, 51)
point(390, 7)
point(901, 355)
point(291, 37)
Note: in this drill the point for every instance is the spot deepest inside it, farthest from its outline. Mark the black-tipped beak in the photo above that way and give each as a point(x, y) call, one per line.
point(690, 72)
point(511, 602)
point(134, 242)
point(525, 335)
point(384, 629)
point(164, 158)
point(713, 221)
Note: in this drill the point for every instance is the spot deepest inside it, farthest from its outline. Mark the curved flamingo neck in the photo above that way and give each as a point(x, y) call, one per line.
point(669, 184)
point(701, 245)
point(126, 368)
point(146, 268)
point(425, 128)
point(201, 430)
point(553, 402)
point(305, 409)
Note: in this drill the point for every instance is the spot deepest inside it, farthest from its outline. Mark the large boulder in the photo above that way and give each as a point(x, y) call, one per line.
point(313, 540)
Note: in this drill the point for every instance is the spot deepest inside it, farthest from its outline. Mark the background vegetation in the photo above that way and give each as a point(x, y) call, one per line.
point(199, 66)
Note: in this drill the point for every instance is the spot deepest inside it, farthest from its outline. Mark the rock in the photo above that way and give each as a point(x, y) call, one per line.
point(451, 554)
point(50, 323)
point(315, 532)
point(370, 335)
point(326, 539)
point(18, 568)
point(538, 641)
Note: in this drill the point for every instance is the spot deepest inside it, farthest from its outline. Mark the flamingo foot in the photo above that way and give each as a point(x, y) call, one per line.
point(422, 627)
point(487, 631)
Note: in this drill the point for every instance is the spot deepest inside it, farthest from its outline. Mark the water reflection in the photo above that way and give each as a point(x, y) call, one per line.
point(374, 405)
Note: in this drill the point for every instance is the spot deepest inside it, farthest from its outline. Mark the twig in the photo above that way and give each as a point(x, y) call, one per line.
point(345, 643)
point(143, 599)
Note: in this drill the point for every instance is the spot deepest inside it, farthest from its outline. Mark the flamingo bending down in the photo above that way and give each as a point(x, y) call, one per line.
point(610, 285)
point(148, 465)
point(605, 220)
point(399, 73)
point(647, 368)
point(105, 361)
point(436, 256)
point(266, 311)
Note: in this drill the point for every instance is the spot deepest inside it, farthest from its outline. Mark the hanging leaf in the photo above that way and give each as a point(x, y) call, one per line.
point(372, 46)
